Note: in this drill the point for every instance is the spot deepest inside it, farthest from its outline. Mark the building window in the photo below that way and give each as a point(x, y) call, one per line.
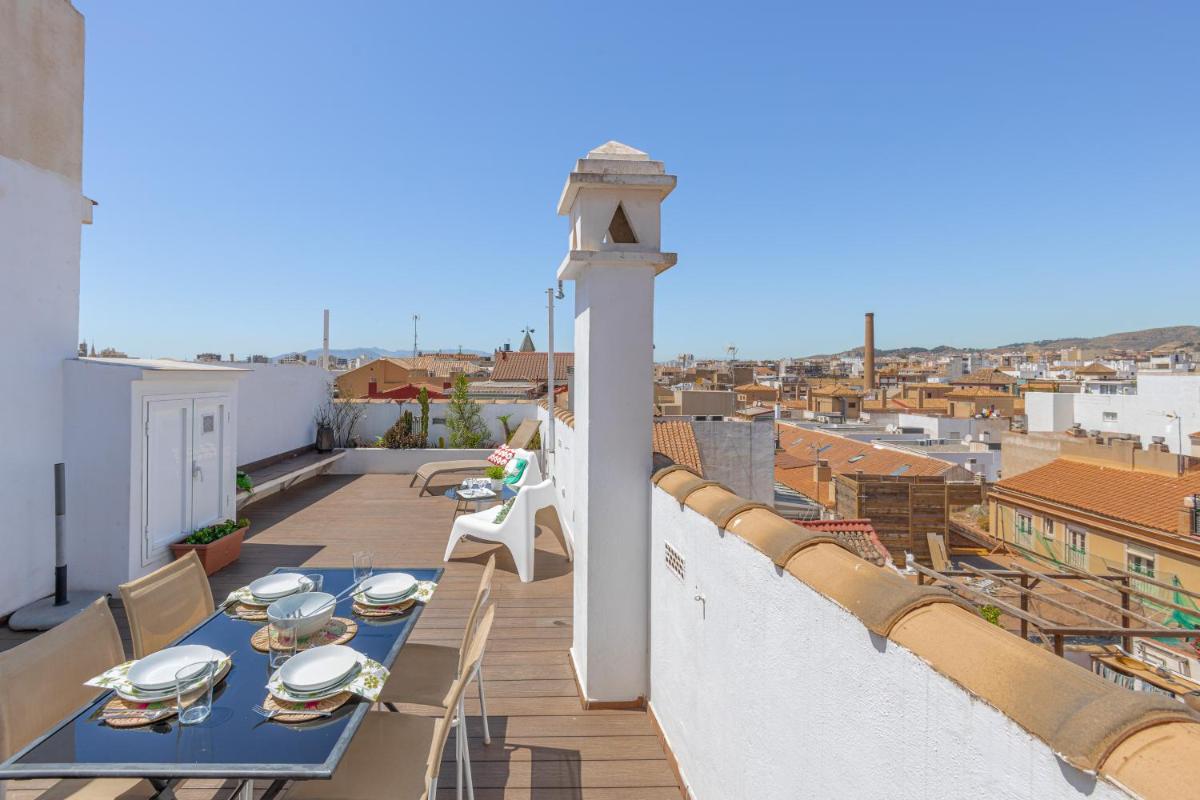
point(1141, 562)
point(1048, 529)
point(1077, 548)
point(1110, 416)
point(1024, 529)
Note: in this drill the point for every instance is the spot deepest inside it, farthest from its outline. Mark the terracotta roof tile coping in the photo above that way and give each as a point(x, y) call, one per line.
point(1148, 745)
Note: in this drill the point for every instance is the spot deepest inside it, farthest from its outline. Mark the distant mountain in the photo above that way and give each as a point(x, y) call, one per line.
point(1170, 338)
point(379, 352)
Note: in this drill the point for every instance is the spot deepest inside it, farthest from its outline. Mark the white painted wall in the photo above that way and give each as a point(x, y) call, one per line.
point(276, 404)
point(39, 321)
point(382, 460)
point(1143, 414)
point(380, 416)
point(769, 690)
point(560, 467)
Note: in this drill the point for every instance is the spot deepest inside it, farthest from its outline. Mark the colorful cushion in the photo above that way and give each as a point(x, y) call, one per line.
point(501, 455)
point(505, 507)
point(515, 469)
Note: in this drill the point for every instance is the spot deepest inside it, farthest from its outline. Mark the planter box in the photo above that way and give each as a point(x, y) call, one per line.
point(218, 554)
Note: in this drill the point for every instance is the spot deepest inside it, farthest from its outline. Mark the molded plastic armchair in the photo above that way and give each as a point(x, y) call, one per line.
point(515, 531)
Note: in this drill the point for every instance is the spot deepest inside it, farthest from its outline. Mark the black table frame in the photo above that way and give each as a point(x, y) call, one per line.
point(165, 776)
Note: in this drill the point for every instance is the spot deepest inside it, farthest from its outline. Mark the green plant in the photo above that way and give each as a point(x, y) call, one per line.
point(342, 416)
point(494, 472)
point(406, 420)
point(990, 613)
point(244, 483)
point(504, 418)
point(464, 419)
point(210, 534)
point(536, 442)
point(400, 436)
point(423, 401)
point(442, 442)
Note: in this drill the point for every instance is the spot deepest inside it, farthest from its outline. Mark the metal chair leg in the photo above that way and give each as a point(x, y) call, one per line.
point(465, 754)
point(247, 790)
point(487, 734)
point(458, 764)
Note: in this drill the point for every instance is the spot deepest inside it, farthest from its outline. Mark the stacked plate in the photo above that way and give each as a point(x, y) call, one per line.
point(317, 673)
point(386, 589)
point(153, 677)
point(269, 588)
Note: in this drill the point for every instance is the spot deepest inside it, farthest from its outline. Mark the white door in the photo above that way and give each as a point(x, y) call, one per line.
point(168, 473)
point(208, 459)
point(188, 479)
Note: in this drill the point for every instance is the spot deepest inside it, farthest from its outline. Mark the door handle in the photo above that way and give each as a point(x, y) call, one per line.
point(197, 472)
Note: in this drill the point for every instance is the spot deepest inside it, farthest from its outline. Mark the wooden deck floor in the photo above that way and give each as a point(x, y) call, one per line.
point(544, 746)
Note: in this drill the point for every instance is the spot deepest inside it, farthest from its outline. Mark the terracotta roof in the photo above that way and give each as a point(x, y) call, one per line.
point(801, 444)
point(1143, 498)
point(676, 440)
point(858, 535)
point(966, 391)
point(754, 387)
point(988, 376)
point(1095, 368)
point(835, 391)
point(512, 366)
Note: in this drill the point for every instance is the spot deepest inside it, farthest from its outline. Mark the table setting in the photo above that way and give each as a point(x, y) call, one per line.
point(279, 698)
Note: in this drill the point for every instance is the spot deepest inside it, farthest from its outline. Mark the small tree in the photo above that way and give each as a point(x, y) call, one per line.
point(464, 419)
point(504, 418)
point(423, 401)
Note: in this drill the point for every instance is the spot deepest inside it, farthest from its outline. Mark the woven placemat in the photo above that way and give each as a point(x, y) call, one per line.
point(383, 611)
point(251, 613)
point(155, 712)
point(338, 630)
point(295, 712)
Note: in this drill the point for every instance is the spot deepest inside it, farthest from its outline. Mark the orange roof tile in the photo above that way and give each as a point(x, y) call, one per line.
point(857, 534)
point(529, 366)
point(1142, 498)
point(676, 440)
point(988, 376)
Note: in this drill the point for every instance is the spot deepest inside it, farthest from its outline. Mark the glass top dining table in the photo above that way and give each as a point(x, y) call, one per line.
point(234, 742)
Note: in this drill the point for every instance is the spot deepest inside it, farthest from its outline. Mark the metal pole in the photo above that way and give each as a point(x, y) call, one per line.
point(548, 444)
point(60, 534)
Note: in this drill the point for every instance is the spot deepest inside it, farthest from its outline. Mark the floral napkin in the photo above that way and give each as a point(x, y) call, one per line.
point(424, 593)
point(367, 683)
point(117, 678)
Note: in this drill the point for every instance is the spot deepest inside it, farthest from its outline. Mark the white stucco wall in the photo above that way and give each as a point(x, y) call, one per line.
point(560, 468)
point(767, 689)
point(39, 321)
point(378, 417)
point(1143, 414)
point(276, 404)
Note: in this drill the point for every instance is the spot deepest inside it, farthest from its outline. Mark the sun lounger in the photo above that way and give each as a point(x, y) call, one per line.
point(473, 467)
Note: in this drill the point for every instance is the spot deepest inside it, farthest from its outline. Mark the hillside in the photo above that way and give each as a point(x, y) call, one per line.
point(378, 352)
point(1167, 338)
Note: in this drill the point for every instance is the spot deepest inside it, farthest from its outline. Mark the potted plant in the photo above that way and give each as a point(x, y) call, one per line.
point(217, 545)
point(497, 476)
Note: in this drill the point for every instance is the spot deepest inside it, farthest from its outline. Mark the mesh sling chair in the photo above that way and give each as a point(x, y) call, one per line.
point(166, 604)
point(426, 671)
point(399, 756)
point(41, 681)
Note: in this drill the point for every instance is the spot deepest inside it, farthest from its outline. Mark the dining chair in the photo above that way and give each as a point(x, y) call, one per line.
point(41, 682)
point(426, 671)
point(516, 530)
point(385, 757)
point(166, 604)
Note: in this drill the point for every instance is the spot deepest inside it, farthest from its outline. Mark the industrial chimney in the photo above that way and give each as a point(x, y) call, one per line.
point(325, 343)
point(869, 354)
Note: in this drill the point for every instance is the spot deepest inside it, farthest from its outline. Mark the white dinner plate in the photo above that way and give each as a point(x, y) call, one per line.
point(389, 586)
point(156, 672)
point(273, 587)
point(318, 668)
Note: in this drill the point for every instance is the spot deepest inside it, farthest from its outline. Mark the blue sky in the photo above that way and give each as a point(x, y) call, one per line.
point(974, 172)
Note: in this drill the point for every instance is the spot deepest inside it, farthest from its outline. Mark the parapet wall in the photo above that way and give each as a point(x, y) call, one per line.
point(782, 665)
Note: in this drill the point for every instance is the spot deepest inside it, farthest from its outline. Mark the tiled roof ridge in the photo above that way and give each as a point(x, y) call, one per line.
point(1147, 745)
point(560, 413)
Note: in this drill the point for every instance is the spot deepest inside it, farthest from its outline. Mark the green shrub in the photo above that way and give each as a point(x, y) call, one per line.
point(990, 613)
point(494, 472)
point(211, 533)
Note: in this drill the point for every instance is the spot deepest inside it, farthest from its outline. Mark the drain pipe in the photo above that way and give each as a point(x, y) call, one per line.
point(551, 375)
point(60, 534)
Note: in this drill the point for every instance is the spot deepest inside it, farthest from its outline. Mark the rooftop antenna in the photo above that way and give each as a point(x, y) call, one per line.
point(731, 351)
point(416, 319)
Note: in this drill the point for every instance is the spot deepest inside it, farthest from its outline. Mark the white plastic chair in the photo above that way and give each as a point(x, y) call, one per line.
point(516, 531)
point(533, 470)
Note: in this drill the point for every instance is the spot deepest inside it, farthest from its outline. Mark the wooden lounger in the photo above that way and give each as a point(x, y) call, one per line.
point(427, 472)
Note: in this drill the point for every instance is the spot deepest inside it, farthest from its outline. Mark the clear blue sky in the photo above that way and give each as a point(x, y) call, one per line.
point(974, 172)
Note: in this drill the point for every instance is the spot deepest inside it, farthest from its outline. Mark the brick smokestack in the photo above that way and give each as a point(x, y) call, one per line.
point(869, 353)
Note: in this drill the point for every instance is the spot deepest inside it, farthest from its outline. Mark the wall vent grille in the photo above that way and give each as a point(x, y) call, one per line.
point(675, 563)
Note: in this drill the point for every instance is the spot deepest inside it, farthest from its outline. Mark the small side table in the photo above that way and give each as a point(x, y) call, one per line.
point(463, 504)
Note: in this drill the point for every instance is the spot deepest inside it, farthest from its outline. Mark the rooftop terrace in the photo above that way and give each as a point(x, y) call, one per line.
point(544, 745)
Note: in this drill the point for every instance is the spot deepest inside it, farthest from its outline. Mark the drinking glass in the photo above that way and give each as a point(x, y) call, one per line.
point(194, 691)
point(316, 580)
point(363, 565)
point(281, 643)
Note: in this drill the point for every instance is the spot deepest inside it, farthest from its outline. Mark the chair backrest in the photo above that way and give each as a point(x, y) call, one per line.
point(523, 435)
point(533, 469)
point(41, 680)
point(481, 596)
point(165, 604)
point(530, 499)
point(433, 763)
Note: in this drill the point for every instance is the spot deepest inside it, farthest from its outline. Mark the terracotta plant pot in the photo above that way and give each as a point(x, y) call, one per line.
point(215, 555)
